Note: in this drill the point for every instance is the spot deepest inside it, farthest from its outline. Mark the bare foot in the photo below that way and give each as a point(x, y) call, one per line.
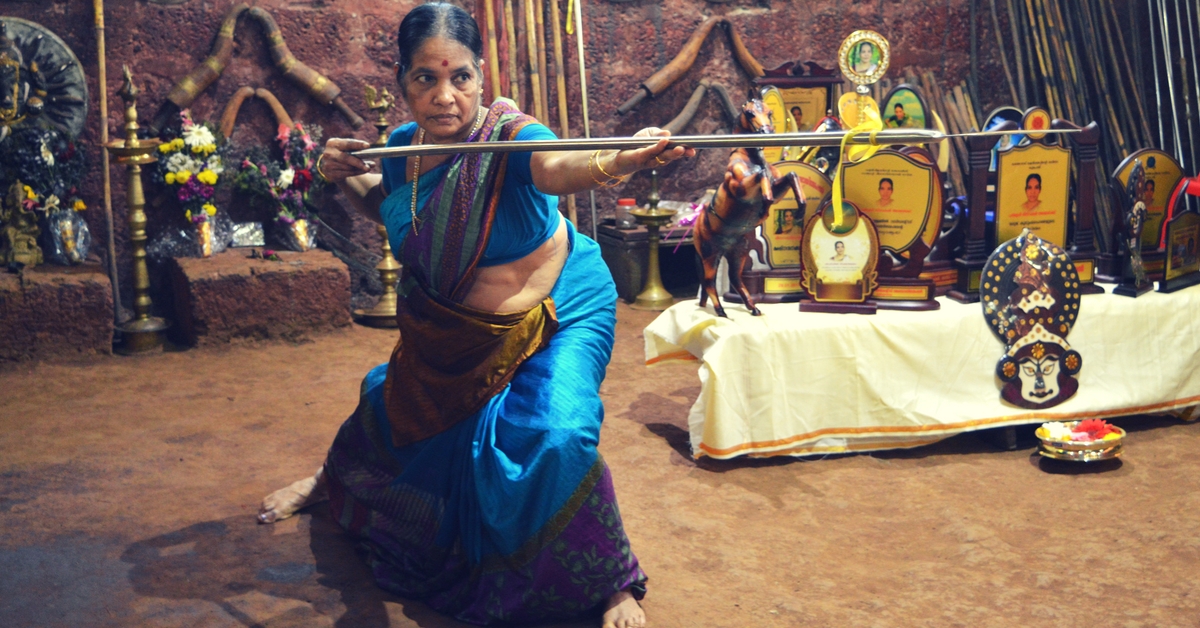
point(286, 501)
point(623, 611)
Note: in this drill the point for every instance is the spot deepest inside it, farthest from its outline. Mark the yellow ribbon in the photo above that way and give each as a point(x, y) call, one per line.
point(870, 123)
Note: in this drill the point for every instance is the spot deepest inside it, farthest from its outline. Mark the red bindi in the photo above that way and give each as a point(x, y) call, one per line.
point(445, 63)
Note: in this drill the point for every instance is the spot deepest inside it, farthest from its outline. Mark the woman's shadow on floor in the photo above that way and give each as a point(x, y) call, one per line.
point(300, 572)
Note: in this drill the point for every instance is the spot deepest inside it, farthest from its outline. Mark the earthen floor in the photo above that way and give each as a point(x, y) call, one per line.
point(128, 488)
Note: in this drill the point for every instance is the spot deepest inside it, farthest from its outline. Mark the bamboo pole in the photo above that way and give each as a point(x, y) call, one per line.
point(1012, 90)
point(535, 79)
point(510, 28)
point(539, 13)
point(1137, 93)
point(1166, 35)
point(102, 80)
point(577, 6)
point(560, 78)
point(492, 49)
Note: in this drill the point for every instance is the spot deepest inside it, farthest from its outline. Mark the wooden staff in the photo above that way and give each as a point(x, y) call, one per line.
point(1041, 59)
point(1012, 90)
point(577, 8)
point(493, 50)
point(510, 27)
point(1162, 136)
point(1141, 116)
point(102, 79)
point(1013, 26)
point(535, 79)
point(1166, 34)
point(1187, 97)
point(560, 78)
point(539, 12)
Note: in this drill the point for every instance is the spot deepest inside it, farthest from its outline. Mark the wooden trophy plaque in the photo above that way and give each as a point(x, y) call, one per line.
point(839, 262)
point(1162, 175)
point(1181, 235)
point(1131, 210)
point(807, 90)
point(1030, 194)
point(778, 243)
point(902, 195)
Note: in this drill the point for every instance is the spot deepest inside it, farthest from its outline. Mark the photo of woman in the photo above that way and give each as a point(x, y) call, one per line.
point(1033, 192)
point(866, 59)
point(885, 192)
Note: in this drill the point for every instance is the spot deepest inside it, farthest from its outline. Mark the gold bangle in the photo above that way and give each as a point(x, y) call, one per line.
point(318, 168)
point(659, 160)
point(613, 180)
point(590, 160)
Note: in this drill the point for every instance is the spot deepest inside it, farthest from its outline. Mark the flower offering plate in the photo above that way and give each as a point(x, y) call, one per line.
point(1060, 448)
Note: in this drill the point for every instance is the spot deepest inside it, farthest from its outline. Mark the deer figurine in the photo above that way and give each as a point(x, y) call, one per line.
point(726, 226)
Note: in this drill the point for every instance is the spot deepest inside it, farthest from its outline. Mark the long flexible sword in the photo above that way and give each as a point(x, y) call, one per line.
point(887, 137)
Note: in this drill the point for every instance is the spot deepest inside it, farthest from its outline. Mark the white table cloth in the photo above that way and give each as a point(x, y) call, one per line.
point(792, 383)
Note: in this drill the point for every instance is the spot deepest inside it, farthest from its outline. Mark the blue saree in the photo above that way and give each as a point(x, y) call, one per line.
point(508, 515)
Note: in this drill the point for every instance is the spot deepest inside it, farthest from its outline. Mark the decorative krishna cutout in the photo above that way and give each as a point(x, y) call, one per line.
point(1030, 297)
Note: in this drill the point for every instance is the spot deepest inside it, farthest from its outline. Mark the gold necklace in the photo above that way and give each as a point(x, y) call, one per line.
point(412, 209)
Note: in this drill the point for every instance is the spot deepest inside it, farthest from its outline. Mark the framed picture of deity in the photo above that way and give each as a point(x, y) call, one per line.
point(1032, 192)
point(1162, 175)
point(785, 225)
point(904, 108)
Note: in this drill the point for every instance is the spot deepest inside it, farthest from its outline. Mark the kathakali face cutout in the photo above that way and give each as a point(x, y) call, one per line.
point(1030, 297)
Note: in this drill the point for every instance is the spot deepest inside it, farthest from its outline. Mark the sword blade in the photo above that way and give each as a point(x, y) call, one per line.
point(887, 137)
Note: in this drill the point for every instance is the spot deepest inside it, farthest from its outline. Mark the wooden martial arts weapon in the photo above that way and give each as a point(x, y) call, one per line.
point(1012, 90)
point(492, 49)
point(884, 137)
point(510, 27)
point(1023, 101)
point(539, 12)
point(1162, 10)
point(1187, 98)
point(535, 79)
point(560, 78)
point(577, 7)
point(229, 117)
point(665, 77)
point(102, 79)
point(315, 84)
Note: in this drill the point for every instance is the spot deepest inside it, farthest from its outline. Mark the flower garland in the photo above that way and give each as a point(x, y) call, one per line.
point(192, 164)
point(286, 184)
point(49, 166)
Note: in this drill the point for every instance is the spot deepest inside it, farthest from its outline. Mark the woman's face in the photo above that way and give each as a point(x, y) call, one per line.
point(443, 89)
point(885, 191)
point(1033, 189)
point(789, 219)
point(865, 52)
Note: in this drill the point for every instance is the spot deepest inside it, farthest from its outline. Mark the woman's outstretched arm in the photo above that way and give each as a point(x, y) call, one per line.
point(569, 172)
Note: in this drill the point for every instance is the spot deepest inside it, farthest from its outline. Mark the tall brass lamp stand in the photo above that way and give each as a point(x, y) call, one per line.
point(384, 312)
point(143, 333)
point(653, 296)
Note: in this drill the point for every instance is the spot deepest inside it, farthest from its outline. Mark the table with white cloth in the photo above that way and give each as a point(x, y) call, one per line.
point(793, 383)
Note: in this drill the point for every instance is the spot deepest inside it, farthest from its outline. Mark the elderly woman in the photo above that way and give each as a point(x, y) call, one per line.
point(469, 472)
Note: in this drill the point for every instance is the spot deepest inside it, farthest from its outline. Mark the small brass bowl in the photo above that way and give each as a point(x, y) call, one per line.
point(1081, 451)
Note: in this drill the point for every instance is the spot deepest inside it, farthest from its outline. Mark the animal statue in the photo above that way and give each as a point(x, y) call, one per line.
point(726, 227)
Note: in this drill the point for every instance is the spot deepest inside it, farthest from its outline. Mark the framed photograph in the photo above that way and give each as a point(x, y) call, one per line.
point(773, 100)
point(1183, 246)
point(864, 57)
point(806, 104)
point(904, 108)
point(839, 262)
point(897, 192)
point(1162, 175)
point(1032, 192)
point(784, 228)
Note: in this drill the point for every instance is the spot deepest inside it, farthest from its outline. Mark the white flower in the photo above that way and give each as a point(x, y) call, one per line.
point(1057, 430)
point(214, 164)
point(286, 177)
point(182, 161)
point(198, 135)
point(47, 156)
